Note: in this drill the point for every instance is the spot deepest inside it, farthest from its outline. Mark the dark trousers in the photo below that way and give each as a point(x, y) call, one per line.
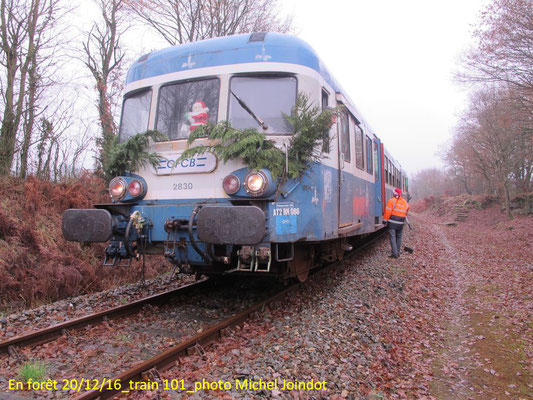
point(395, 236)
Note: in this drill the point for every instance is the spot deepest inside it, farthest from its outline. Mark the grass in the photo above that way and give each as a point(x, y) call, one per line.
point(123, 338)
point(507, 352)
point(376, 395)
point(34, 370)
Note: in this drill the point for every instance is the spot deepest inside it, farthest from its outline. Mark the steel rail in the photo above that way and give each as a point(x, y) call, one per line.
point(167, 358)
point(51, 333)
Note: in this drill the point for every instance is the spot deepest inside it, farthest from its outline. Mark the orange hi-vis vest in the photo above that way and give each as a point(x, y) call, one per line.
point(397, 209)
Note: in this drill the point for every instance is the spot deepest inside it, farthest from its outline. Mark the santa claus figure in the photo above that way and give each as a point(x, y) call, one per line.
point(198, 116)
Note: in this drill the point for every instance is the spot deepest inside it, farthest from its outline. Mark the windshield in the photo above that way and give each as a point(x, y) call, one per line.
point(268, 98)
point(185, 106)
point(135, 112)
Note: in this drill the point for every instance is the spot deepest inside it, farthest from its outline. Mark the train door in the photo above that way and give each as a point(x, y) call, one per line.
point(378, 180)
point(345, 170)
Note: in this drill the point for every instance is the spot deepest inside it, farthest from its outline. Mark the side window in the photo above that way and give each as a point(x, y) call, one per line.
point(345, 137)
point(386, 170)
point(359, 152)
point(325, 97)
point(369, 163)
point(376, 161)
point(397, 177)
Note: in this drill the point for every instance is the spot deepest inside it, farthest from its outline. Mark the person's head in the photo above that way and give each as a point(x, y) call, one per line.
point(397, 193)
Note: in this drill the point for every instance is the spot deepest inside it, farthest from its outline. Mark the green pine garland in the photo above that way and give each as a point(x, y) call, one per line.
point(310, 142)
point(131, 155)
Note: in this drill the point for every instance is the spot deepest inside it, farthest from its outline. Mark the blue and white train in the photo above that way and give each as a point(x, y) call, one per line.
point(211, 217)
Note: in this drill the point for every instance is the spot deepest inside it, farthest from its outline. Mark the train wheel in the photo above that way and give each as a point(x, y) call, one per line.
point(302, 262)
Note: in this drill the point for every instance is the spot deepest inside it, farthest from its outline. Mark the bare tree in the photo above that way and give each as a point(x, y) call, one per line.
point(493, 143)
point(432, 182)
point(103, 56)
point(46, 130)
point(26, 28)
point(43, 66)
point(57, 152)
point(29, 116)
point(466, 160)
point(504, 51)
point(182, 21)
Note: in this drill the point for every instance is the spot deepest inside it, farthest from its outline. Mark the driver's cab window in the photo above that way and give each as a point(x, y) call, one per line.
point(135, 113)
point(259, 102)
point(185, 106)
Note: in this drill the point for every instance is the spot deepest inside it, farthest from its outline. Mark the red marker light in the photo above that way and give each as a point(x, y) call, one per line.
point(231, 184)
point(135, 188)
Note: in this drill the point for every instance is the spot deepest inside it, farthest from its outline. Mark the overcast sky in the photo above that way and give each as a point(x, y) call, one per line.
point(396, 60)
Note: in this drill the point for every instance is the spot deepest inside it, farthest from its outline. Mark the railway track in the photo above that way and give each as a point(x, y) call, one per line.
point(45, 335)
point(167, 359)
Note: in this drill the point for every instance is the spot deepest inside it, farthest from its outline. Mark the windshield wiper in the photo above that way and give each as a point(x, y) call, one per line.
point(243, 105)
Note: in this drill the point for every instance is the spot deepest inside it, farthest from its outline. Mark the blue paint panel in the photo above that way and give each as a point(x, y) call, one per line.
point(317, 201)
point(286, 225)
point(228, 50)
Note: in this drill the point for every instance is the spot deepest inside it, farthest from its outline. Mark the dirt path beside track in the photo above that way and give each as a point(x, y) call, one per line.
point(484, 348)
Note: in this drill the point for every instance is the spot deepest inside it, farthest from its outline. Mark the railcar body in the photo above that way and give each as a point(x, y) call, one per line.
point(211, 217)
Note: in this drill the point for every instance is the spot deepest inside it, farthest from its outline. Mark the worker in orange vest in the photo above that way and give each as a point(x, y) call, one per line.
point(395, 215)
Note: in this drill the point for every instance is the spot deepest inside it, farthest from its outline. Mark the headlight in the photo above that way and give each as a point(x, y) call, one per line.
point(231, 184)
point(255, 183)
point(117, 188)
point(135, 188)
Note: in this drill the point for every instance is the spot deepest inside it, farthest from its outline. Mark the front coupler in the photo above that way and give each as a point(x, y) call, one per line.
point(129, 234)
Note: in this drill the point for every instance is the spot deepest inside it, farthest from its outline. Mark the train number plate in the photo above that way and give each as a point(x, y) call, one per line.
point(285, 211)
point(286, 218)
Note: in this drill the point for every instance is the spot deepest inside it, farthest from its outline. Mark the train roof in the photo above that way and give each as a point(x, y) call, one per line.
point(236, 49)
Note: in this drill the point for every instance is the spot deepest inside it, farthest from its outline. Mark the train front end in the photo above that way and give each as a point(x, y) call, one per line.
point(203, 214)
